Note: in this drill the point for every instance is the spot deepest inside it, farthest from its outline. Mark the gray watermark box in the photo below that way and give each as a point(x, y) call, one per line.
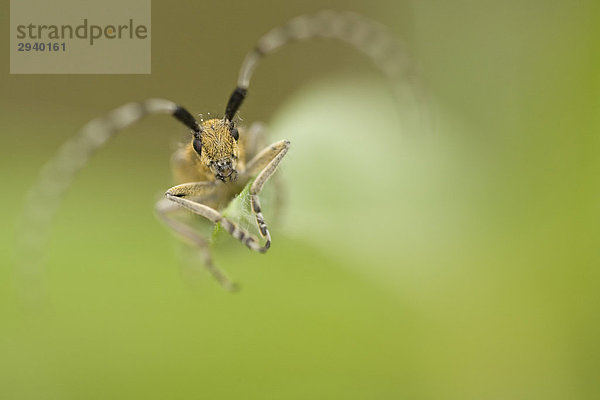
point(80, 37)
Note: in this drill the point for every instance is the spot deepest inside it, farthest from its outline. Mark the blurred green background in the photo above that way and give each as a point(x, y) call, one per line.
point(460, 266)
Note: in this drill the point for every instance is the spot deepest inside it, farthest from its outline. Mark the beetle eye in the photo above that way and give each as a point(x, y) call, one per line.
point(235, 134)
point(197, 146)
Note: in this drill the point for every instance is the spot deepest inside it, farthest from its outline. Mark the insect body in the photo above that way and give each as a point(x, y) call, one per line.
point(214, 170)
point(220, 158)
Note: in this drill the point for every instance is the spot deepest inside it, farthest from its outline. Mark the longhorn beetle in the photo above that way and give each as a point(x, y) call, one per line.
point(220, 159)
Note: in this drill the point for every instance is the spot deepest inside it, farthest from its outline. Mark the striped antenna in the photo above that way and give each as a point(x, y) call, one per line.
point(367, 36)
point(45, 196)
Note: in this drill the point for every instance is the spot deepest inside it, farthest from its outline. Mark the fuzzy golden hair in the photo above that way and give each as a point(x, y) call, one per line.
point(217, 142)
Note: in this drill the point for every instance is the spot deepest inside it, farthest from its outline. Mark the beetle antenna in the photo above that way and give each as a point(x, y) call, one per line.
point(367, 36)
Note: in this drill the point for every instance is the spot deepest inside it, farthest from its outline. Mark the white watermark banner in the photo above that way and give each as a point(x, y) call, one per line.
point(80, 37)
